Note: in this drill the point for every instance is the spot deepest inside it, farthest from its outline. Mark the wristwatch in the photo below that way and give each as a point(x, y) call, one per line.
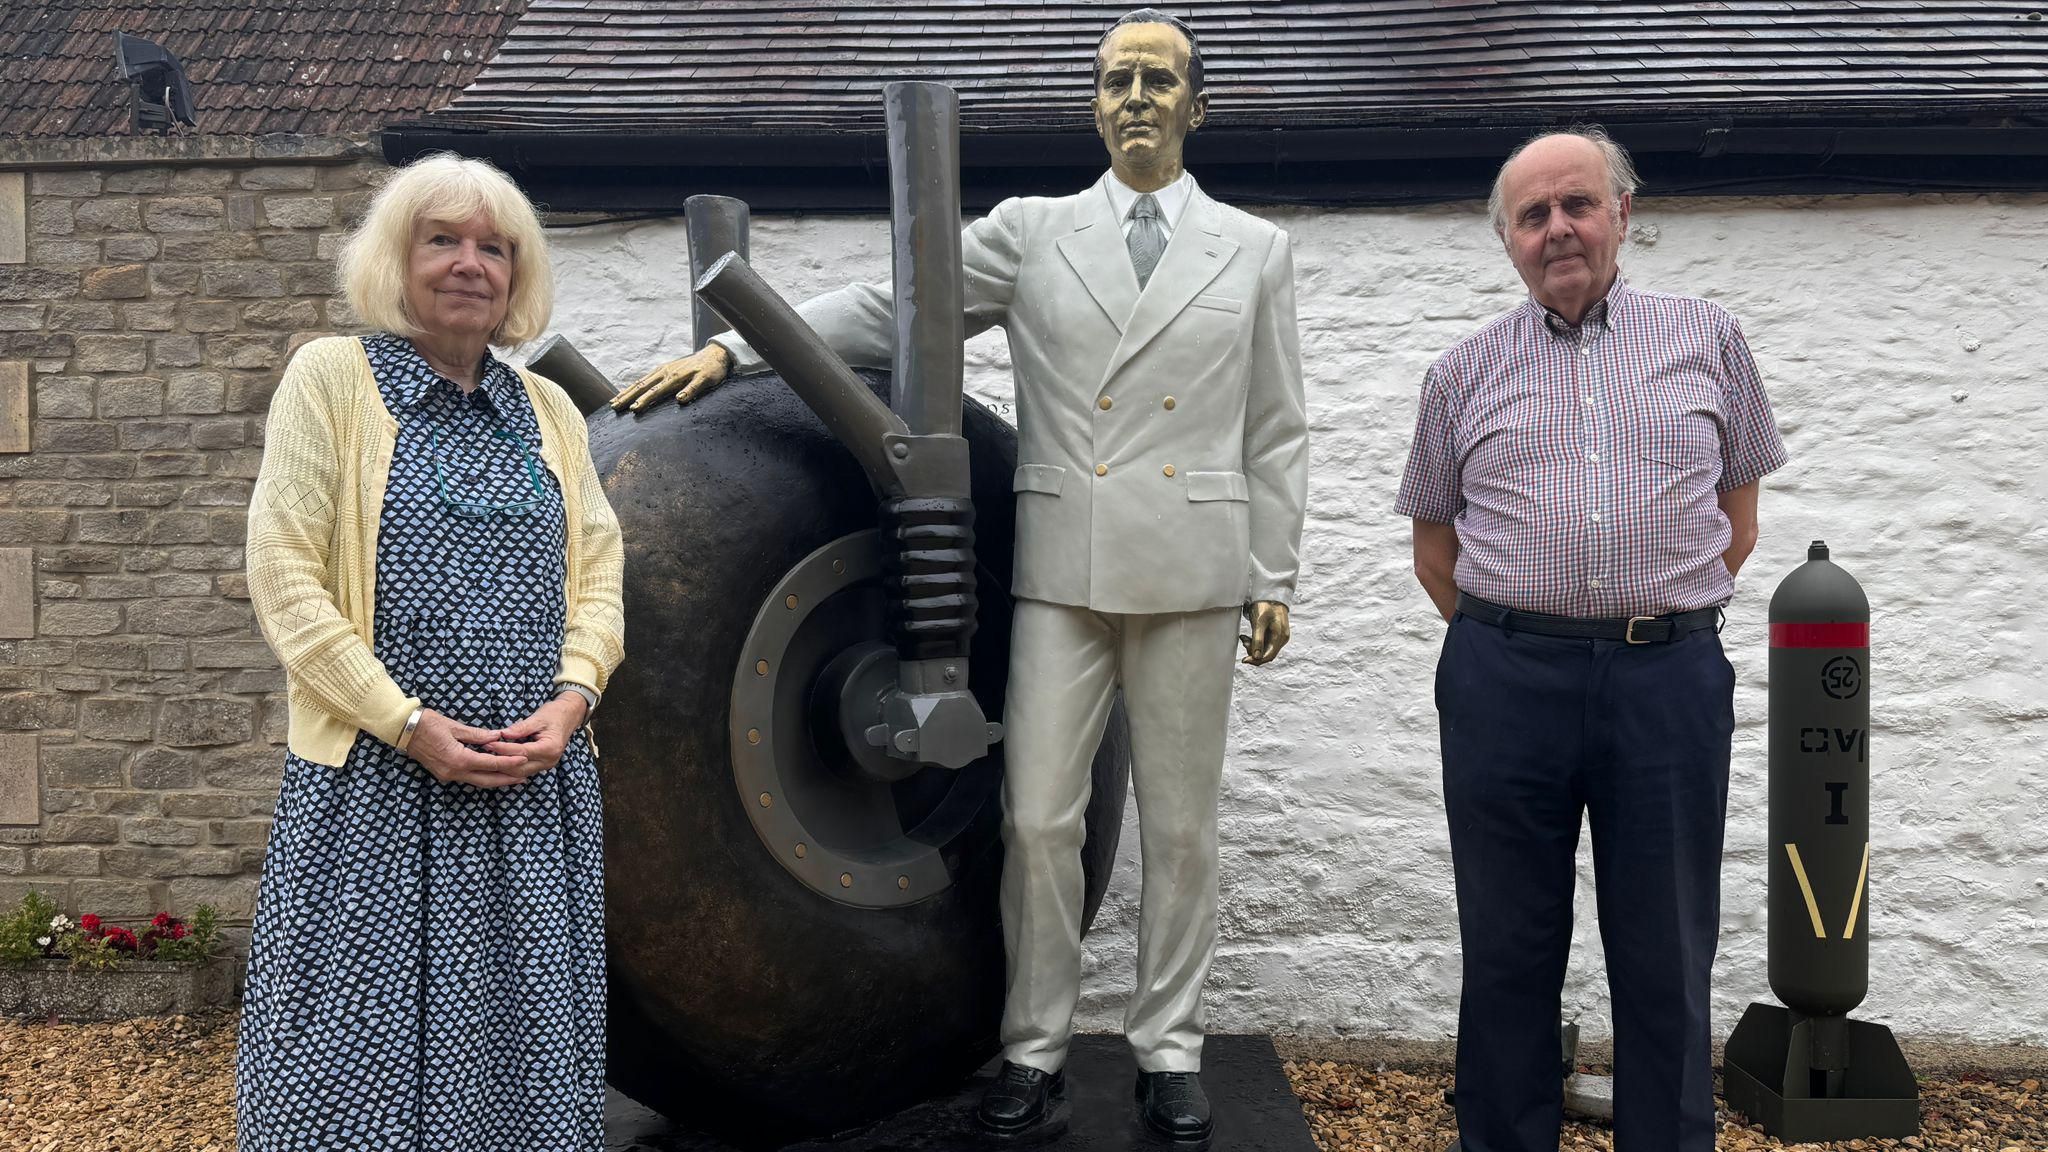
point(590, 698)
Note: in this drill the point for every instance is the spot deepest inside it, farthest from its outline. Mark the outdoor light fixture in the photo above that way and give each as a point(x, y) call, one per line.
point(162, 97)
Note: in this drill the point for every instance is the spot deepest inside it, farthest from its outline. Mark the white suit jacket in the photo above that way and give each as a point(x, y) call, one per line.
point(1162, 440)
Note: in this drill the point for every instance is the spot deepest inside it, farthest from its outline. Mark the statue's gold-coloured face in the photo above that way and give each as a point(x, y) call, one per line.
point(1144, 105)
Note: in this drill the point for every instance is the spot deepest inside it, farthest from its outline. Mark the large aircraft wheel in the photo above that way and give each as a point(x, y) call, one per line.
point(803, 933)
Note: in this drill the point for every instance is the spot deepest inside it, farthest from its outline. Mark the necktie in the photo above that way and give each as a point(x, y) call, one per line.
point(1147, 240)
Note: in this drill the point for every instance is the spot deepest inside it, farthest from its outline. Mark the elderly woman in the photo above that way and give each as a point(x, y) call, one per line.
point(436, 567)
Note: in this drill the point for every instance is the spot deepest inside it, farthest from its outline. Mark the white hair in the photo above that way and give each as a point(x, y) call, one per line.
point(1621, 171)
point(447, 188)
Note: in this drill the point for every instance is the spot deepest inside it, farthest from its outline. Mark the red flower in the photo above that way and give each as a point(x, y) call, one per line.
point(163, 920)
point(89, 922)
point(121, 938)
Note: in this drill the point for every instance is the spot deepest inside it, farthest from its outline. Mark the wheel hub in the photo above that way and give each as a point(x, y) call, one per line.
point(849, 821)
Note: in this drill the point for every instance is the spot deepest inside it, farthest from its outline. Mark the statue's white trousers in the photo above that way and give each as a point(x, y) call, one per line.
point(1066, 664)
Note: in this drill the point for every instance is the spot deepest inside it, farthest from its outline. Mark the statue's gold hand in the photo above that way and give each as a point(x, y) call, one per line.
point(685, 379)
point(1269, 631)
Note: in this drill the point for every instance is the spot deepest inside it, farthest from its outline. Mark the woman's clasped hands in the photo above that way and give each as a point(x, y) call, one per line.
point(456, 753)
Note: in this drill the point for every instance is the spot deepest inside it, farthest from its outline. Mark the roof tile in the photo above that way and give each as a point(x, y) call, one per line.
point(764, 66)
point(315, 67)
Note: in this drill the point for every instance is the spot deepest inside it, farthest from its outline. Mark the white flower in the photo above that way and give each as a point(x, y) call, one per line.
point(61, 923)
point(42, 941)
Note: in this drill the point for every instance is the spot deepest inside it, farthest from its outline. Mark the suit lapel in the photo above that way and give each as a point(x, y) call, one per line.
point(1194, 255)
point(1096, 250)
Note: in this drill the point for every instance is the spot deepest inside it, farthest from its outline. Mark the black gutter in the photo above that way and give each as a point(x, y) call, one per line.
point(1380, 164)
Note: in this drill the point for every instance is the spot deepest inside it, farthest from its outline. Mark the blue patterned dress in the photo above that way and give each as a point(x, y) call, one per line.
point(427, 970)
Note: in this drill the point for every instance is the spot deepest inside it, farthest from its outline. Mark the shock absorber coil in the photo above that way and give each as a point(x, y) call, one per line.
point(928, 571)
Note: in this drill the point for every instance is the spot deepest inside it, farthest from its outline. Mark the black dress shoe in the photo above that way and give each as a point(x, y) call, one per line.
point(1018, 1099)
point(1174, 1105)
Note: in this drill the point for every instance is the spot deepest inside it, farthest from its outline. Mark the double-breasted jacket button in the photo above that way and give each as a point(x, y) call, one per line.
point(1104, 403)
point(1169, 403)
point(1168, 470)
point(1102, 469)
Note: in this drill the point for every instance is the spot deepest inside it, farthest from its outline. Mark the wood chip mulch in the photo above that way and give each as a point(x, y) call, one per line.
point(1354, 1108)
point(149, 1085)
point(167, 1085)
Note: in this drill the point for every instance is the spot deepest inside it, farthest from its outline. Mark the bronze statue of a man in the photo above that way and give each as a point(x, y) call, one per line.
point(1162, 472)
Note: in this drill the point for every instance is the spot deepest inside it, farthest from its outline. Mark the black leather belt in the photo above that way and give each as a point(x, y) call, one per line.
point(1628, 629)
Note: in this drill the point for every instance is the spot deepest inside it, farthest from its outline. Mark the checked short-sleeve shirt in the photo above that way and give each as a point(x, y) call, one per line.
point(1581, 464)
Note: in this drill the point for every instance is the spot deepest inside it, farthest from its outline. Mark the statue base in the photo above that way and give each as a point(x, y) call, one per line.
point(1249, 1099)
point(1819, 1078)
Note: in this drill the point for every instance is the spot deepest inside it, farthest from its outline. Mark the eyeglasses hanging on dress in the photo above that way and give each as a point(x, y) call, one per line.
point(478, 509)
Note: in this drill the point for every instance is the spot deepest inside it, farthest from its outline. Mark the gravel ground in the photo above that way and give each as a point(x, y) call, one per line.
point(168, 1084)
point(1360, 1108)
point(149, 1085)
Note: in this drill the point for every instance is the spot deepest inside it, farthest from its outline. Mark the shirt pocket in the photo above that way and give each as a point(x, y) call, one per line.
point(1687, 449)
point(1682, 457)
point(1681, 425)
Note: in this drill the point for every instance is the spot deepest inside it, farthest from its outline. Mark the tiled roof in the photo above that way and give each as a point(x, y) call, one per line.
point(315, 67)
point(763, 67)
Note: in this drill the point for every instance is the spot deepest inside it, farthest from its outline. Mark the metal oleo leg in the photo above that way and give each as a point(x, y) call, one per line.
point(911, 450)
point(716, 225)
point(558, 360)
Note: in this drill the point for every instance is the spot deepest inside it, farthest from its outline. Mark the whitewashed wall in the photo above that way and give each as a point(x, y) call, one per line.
point(1905, 342)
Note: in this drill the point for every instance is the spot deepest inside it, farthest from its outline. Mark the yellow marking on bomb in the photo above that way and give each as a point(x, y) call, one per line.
point(1806, 890)
point(1856, 905)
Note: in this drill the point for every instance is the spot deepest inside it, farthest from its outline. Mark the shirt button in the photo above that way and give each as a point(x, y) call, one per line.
point(1169, 403)
point(1593, 583)
point(1588, 398)
point(1104, 403)
point(1596, 517)
point(1592, 457)
point(1102, 469)
point(1585, 350)
point(1168, 470)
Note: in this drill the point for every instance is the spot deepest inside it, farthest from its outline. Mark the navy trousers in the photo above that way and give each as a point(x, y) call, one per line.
point(1537, 730)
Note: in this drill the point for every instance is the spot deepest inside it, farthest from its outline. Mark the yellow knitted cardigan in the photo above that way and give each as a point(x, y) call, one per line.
point(312, 547)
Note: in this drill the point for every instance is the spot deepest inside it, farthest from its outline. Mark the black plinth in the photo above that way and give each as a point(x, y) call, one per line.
point(1767, 1075)
point(1254, 1111)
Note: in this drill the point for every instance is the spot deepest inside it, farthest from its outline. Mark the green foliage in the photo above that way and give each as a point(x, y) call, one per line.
point(199, 942)
point(23, 929)
point(36, 930)
point(98, 954)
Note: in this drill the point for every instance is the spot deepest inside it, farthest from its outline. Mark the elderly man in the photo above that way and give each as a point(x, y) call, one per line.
point(1583, 484)
point(1162, 471)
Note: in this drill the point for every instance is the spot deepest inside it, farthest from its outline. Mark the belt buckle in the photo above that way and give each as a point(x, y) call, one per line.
point(1629, 634)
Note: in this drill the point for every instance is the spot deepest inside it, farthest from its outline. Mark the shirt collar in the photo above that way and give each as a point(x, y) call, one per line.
point(421, 378)
point(1601, 313)
point(1173, 199)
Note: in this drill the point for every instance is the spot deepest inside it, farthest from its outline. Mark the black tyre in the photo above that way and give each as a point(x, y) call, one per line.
point(744, 1001)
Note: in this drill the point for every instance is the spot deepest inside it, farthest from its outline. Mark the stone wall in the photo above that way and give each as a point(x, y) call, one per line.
point(141, 714)
point(1902, 341)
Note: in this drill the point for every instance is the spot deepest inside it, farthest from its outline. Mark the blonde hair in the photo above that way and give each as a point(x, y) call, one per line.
point(443, 186)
